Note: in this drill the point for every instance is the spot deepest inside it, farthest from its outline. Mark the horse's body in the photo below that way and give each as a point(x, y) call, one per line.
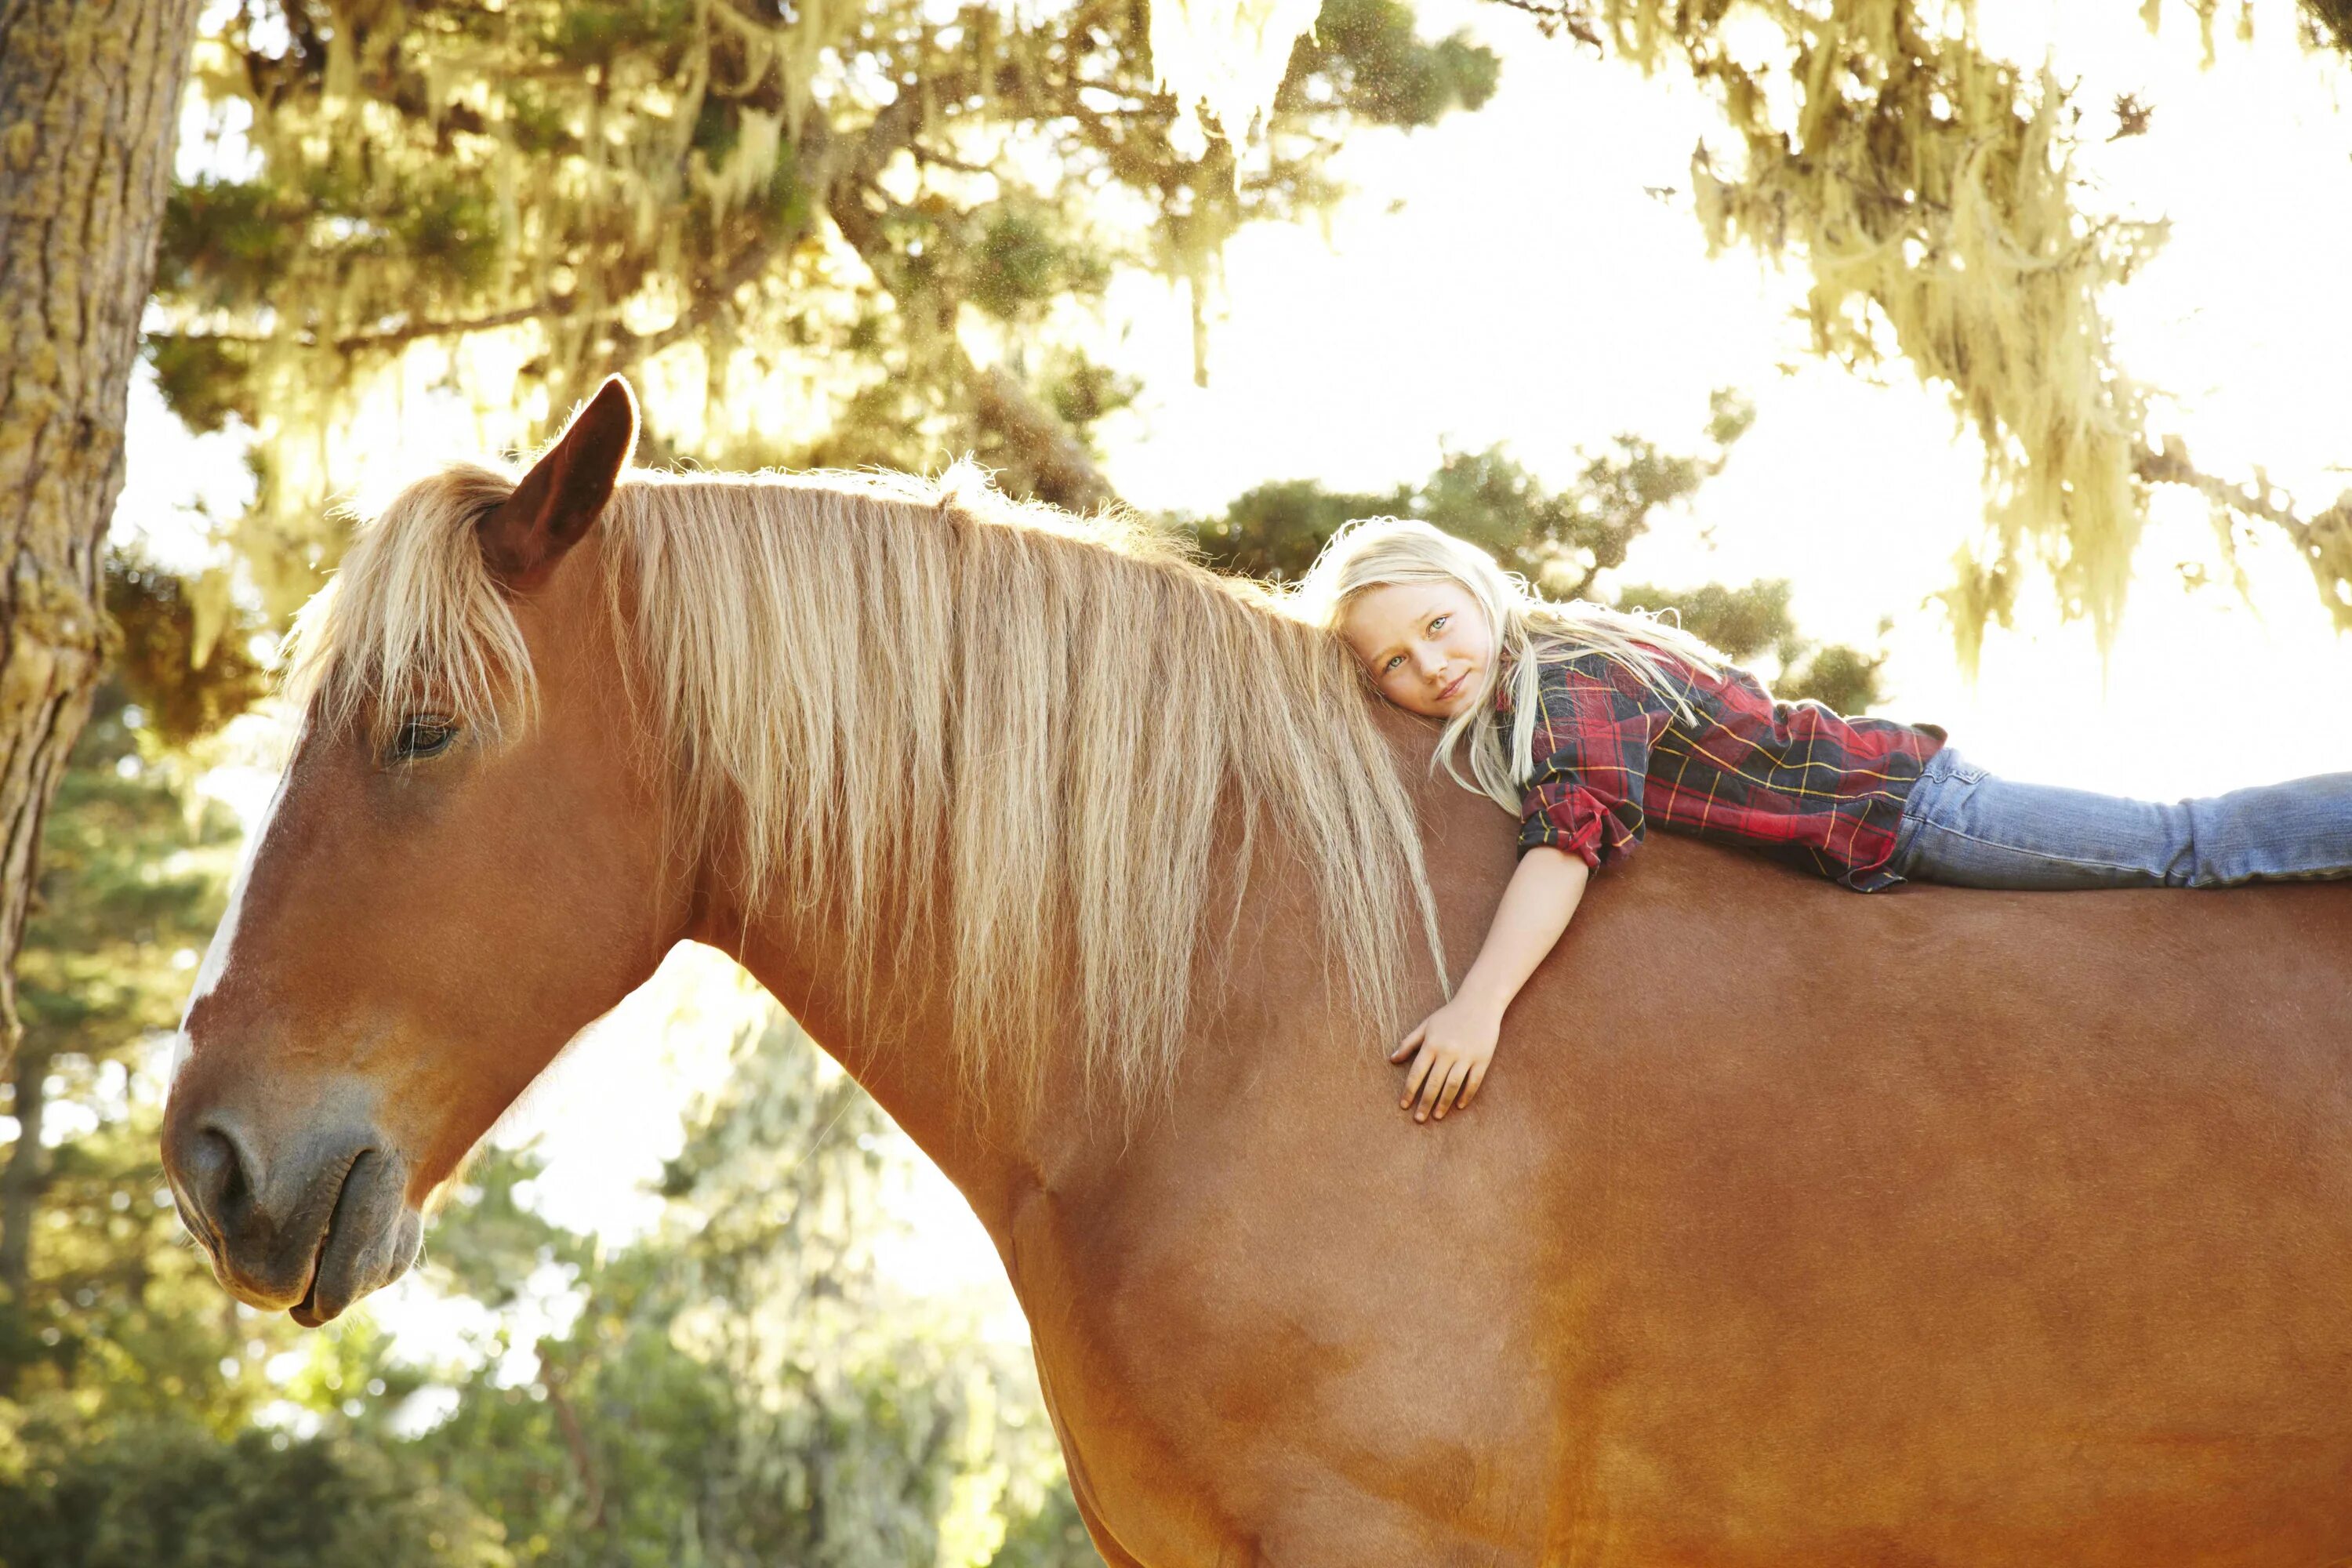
point(1806, 1229)
point(1796, 1228)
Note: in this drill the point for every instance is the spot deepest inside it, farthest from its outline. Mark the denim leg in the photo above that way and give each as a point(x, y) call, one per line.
point(1964, 825)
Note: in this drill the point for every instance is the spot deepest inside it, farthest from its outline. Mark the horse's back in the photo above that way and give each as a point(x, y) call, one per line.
point(2000, 1227)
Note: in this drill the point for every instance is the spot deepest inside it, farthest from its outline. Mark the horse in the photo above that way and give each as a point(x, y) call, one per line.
point(1934, 1227)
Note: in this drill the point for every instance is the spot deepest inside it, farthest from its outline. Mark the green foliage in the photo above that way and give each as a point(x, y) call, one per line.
point(227, 241)
point(103, 1314)
point(839, 214)
point(156, 1494)
point(743, 1387)
point(202, 379)
point(1561, 540)
point(1754, 622)
point(186, 665)
point(127, 880)
point(1367, 50)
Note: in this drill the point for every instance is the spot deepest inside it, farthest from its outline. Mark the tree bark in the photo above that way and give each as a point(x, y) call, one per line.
point(90, 99)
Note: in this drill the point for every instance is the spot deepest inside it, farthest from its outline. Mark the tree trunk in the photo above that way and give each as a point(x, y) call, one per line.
point(90, 98)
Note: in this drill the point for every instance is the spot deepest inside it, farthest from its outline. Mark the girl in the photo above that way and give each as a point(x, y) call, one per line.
point(1592, 724)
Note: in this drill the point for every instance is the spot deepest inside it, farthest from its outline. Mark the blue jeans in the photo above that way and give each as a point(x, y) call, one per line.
point(1964, 825)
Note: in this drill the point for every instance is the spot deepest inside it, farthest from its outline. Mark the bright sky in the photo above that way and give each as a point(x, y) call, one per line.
point(1505, 278)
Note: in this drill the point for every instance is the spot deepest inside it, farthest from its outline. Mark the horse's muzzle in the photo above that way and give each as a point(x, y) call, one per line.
point(307, 1229)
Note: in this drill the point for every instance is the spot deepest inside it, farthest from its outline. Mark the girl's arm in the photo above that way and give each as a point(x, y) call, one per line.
point(1455, 1043)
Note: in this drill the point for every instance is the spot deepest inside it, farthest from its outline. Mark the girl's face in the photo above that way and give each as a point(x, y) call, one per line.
point(1426, 646)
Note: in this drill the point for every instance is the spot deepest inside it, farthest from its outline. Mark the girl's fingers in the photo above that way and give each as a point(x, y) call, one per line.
point(1411, 1041)
point(1455, 1079)
point(1413, 1081)
point(1470, 1090)
point(1439, 1066)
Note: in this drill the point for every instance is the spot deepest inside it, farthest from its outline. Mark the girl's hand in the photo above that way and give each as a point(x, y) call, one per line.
point(1450, 1050)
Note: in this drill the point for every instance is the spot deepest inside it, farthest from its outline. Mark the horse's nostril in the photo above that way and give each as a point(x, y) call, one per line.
point(218, 1180)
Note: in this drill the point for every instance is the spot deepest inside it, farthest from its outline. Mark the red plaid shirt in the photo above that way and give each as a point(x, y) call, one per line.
point(1793, 778)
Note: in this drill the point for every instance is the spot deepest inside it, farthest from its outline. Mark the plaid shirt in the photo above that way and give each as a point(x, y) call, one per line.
point(1793, 778)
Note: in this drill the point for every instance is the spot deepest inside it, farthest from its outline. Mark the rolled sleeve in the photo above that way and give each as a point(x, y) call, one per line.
point(1560, 814)
point(1594, 727)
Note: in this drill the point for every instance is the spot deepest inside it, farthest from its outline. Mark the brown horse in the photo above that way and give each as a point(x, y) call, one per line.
point(1795, 1226)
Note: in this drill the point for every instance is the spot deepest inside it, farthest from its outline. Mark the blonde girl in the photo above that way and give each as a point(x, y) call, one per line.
point(1591, 725)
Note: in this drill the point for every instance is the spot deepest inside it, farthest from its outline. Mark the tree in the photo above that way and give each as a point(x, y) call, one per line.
point(742, 1386)
point(128, 1384)
point(1929, 188)
point(93, 1292)
point(824, 234)
point(1562, 541)
point(157, 1494)
point(2329, 23)
point(90, 96)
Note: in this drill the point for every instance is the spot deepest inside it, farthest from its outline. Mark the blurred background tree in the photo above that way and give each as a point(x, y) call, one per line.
point(129, 1383)
point(744, 1385)
point(132, 870)
point(1929, 189)
point(741, 1386)
point(1568, 542)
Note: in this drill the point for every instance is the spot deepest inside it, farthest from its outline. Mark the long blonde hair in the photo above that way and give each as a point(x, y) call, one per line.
point(1378, 552)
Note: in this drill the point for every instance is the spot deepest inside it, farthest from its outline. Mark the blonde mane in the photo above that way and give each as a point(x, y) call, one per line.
point(1051, 728)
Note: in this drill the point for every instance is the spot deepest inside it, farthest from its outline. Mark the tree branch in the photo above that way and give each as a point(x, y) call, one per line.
point(708, 295)
point(575, 1438)
point(2324, 540)
point(1065, 473)
point(1556, 16)
point(394, 337)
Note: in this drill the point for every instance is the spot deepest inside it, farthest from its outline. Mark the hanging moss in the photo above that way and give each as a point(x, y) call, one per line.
point(786, 210)
point(1927, 188)
point(205, 380)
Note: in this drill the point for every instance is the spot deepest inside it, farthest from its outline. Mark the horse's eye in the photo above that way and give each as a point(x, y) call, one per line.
point(421, 737)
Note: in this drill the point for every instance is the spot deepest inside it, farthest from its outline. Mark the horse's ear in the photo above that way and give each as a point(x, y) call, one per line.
point(560, 500)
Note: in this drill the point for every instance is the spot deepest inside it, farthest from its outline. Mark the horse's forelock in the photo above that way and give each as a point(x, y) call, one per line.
point(412, 622)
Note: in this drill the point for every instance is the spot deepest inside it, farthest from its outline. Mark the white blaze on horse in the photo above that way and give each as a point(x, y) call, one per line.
point(1795, 1228)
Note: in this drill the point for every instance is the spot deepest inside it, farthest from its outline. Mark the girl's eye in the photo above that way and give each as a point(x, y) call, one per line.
point(1395, 660)
point(422, 736)
point(1439, 622)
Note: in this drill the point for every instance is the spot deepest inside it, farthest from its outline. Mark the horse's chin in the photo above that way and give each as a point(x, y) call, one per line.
point(371, 1239)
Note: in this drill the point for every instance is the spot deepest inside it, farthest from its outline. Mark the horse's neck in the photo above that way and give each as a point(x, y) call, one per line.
point(897, 1044)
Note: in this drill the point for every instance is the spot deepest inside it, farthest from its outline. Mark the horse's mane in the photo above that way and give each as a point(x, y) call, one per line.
point(1044, 722)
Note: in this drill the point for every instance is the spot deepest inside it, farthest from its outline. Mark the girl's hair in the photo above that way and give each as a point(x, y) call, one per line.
point(1376, 551)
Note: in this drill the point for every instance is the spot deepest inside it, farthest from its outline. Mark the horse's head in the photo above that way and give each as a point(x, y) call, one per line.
point(437, 901)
